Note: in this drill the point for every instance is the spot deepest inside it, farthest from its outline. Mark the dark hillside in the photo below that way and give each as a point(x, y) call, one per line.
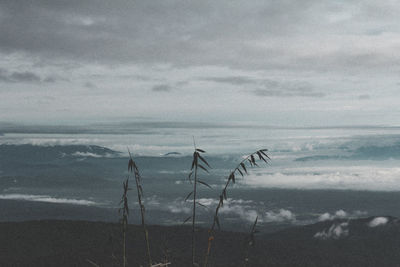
point(329, 243)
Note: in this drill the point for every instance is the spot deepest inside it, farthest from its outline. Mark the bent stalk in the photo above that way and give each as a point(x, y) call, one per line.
point(241, 169)
point(124, 220)
point(134, 169)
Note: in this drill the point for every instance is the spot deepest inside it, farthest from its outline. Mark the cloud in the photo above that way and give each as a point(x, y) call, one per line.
point(92, 155)
point(327, 177)
point(161, 88)
point(244, 212)
point(24, 77)
point(378, 221)
point(49, 199)
point(178, 209)
point(279, 216)
point(277, 88)
point(50, 79)
point(336, 231)
point(89, 85)
point(175, 206)
point(15, 76)
point(280, 49)
point(270, 87)
point(270, 35)
point(233, 80)
point(364, 97)
point(340, 214)
point(248, 213)
point(235, 208)
point(274, 88)
point(327, 216)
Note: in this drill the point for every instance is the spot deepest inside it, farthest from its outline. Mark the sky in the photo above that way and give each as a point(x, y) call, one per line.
point(276, 62)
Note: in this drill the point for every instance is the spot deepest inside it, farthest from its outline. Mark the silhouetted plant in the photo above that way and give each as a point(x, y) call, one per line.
point(92, 263)
point(124, 209)
point(132, 167)
point(239, 169)
point(196, 164)
point(250, 242)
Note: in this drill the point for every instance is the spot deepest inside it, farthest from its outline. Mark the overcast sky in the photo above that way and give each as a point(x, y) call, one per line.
point(278, 62)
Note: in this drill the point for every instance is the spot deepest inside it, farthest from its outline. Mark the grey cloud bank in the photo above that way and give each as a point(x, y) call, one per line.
point(25, 76)
point(161, 88)
point(285, 58)
point(260, 34)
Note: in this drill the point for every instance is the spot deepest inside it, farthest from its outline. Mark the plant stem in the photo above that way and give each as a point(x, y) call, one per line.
point(125, 213)
point(220, 203)
point(146, 234)
point(194, 212)
point(124, 245)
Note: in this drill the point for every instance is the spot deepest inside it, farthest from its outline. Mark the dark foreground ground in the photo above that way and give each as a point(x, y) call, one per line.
point(73, 243)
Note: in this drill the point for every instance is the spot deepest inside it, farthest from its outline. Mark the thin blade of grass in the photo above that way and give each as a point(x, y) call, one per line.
point(243, 167)
point(265, 154)
point(217, 222)
point(205, 161)
point(204, 206)
point(241, 173)
point(187, 219)
point(202, 167)
point(204, 183)
point(92, 263)
point(187, 197)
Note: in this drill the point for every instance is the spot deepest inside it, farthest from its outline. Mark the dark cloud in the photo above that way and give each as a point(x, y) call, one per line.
point(270, 87)
point(234, 80)
point(364, 97)
point(25, 76)
point(276, 89)
point(89, 85)
point(270, 34)
point(161, 88)
point(50, 79)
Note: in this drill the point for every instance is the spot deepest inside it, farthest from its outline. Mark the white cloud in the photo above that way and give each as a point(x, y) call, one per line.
point(378, 221)
point(327, 216)
point(244, 212)
point(279, 216)
point(340, 214)
point(327, 177)
point(336, 231)
point(91, 155)
point(250, 214)
point(174, 208)
point(49, 199)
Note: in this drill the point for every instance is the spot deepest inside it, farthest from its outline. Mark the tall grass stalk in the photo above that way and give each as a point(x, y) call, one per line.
point(240, 169)
point(132, 167)
point(250, 242)
point(124, 209)
point(197, 162)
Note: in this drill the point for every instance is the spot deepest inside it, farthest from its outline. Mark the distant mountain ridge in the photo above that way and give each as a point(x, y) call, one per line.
point(52, 152)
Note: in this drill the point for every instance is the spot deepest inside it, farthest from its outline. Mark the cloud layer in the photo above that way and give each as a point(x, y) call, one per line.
point(378, 221)
point(237, 60)
point(334, 177)
point(336, 231)
point(271, 34)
